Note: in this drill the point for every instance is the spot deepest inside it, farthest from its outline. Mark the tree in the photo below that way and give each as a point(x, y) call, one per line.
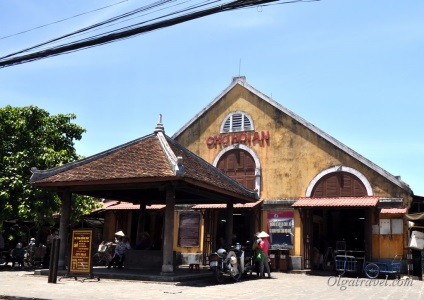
point(31, 137)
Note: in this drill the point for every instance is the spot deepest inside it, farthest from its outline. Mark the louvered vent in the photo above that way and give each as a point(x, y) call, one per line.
point(237, 121)
point(227, 125)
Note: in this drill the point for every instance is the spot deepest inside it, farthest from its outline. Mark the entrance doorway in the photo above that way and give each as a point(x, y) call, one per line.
point(338, 231)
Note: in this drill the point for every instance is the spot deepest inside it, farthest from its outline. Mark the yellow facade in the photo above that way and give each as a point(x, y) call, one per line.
point(291, 155)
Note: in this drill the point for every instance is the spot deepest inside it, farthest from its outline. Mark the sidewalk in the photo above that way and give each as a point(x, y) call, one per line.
point(25, 285)
point(180, 274)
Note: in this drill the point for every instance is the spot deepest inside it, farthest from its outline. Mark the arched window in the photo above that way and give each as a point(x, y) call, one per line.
point(339, 184)
point(239, 165)
point(237, 121)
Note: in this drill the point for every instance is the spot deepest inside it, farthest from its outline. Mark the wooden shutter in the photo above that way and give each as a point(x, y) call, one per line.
point(339, 184)
point(239, 165)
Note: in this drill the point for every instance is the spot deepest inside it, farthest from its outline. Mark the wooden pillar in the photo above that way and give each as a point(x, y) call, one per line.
point(65, 221)
point(368, 233)
point(229, 224)
point(168, 235)
point(141, 222)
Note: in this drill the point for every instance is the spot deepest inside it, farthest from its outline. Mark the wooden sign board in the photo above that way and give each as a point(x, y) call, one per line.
point(80, 260)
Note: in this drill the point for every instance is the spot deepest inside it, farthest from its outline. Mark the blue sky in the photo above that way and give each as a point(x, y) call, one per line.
point(354, 69)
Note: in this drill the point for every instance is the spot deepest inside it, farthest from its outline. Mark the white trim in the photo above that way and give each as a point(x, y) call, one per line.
point(334, 169)
point(243, 114)
point(175, 162)
point(258, 172)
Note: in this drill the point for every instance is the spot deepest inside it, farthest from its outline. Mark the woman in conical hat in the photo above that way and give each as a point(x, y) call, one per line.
point(263, 234)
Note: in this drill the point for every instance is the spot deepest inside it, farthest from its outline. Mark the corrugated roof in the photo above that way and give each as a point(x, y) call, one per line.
point(393, 211)
point(217, 206)
point(128, 205)
point(336, 202)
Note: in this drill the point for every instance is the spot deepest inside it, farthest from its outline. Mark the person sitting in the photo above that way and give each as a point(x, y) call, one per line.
point(17, 255)
point(121, 247)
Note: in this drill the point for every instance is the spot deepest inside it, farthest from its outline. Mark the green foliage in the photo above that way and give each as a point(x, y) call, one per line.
point(31, 137)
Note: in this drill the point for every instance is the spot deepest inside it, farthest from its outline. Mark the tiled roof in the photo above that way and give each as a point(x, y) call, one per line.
point(140, 158)
point(217, 206)
point(336, 202)
point(393, 211)
point(197, 169)
point(153, 158)
point(118, 205)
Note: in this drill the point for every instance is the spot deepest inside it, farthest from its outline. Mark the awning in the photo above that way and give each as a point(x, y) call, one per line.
point(393, 211)
point(415, 217)
point(337, 202)
point(221, 206)
point(121, 205)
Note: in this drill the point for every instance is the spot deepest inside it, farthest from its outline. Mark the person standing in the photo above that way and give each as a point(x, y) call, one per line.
point(18, 254)
point(264, 246)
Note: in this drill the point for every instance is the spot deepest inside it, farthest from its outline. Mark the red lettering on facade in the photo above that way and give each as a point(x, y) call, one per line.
point(256, 137)
point(225, 139)
point(210, 141)
point(265, 135)
point(242, 137)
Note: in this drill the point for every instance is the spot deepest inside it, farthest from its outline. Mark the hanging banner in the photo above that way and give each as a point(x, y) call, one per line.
point(80, 259)
point(281, 229)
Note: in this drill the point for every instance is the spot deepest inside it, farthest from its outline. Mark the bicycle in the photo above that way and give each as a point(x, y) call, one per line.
point(104, 254)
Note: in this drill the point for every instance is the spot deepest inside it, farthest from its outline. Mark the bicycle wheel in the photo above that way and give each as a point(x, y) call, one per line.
point(99, 260)
point(372, 270)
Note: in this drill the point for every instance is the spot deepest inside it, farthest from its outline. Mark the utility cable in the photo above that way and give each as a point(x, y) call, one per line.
point(59, 21)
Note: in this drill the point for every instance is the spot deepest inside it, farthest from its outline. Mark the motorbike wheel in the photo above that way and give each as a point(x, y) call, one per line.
point(239, 273)
point(218, 275)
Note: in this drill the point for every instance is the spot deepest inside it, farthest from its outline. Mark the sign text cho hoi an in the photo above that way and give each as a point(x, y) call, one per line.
point(238, 137)
point(80, 260)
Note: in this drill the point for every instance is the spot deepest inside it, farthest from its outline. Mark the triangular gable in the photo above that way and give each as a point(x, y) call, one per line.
point(241, 80)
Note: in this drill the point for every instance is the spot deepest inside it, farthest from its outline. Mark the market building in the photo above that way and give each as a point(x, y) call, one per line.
point(317, 195)
point(313, 194)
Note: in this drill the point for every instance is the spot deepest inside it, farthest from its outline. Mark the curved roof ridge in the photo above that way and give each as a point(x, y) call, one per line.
point(174, 161)
point(41, 174)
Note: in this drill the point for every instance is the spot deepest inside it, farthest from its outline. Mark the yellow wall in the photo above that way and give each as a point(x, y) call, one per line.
point(290, 159)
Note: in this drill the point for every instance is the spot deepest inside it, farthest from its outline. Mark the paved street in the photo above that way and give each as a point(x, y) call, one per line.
point(24, 284)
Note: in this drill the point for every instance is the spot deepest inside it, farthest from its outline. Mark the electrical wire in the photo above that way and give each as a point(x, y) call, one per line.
point(182, 15)
point(59, 21)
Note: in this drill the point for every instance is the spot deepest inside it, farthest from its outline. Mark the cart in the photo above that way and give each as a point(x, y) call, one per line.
point(346, 263)
point(374, 269)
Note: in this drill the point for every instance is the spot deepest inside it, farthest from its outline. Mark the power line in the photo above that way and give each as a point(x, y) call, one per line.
point(59, 21)
point(129, 31)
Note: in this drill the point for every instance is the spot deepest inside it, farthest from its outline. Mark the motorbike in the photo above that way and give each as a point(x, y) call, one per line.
point(227, 263)
point(250, 263)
